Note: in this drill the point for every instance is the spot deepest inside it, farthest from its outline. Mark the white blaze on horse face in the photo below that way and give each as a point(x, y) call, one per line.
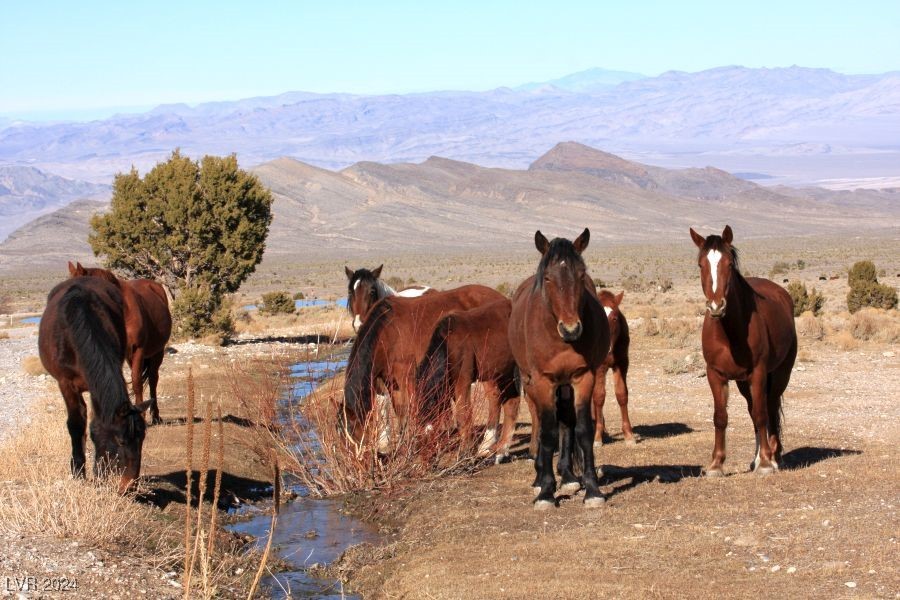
point(714, 257)
point(356, 284)
point(608, 311)
point(357, 322)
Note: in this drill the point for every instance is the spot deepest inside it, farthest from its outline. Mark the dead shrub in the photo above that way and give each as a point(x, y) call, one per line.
point(845, 341)
point(32, 366)
point(871, 324)
point(809, 326)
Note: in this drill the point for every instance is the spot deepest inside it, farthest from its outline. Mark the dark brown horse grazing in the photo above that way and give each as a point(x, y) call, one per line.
point(749, 337)
point(148, 325)
point(471, 346)
point(560, 337)
point(617, 360)
point(365, 288)
point(82, 345)
point(391, 344)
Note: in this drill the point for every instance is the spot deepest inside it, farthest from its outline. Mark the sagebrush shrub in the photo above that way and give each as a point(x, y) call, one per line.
point(277, 303)
point(805, 300)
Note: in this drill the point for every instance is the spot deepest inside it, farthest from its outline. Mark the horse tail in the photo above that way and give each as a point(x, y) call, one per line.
point(358, 383)
point(99, 354)
point(433, 373)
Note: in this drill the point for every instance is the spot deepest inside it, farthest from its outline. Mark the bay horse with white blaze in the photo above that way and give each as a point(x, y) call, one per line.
point(469, 346)
point(559, 336)
point(365, 288)
point(148, 325)
point(617, 360)
point(749, 337)
point(81, 341)
point(390, 345)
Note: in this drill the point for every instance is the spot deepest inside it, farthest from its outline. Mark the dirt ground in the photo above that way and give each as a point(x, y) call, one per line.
point(825, 526)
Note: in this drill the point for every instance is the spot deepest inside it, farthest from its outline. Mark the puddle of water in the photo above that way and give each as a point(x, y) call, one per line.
point(305, 304)
point(308, 530)
point(30, 320)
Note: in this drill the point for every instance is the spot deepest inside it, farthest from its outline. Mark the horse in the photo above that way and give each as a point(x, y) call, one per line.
point(81, 342)
point(471, 346)
point(749, 337)
point(148, 325)
point(365, 288)
point(559, 336)
point(390, 345)
point(617, 360)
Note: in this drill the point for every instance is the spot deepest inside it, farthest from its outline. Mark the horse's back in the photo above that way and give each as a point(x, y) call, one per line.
point(151, 298)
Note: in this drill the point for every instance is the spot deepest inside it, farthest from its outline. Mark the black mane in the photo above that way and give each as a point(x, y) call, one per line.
point(560, 249)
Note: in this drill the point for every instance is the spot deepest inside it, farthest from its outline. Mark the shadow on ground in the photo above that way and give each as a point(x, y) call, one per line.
point(168, 488)
point(806, 456)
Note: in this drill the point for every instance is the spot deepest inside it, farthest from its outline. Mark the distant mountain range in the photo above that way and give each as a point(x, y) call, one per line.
point(443, 205)
point(794, 125)
point(27, 193)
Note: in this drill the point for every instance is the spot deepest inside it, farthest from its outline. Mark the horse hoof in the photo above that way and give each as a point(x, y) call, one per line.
point(763, 471)
point(595, 502)
point(632, 441)
point(717, 472)
point(570, 488)
point(598, 444)
point(536, 489)
point(544, 504)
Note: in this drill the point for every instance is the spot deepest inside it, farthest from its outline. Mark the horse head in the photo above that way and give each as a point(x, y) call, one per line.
point(118, 443)
point(362, 292)
point(610, 303)
point(717, 260)
point(560, 277)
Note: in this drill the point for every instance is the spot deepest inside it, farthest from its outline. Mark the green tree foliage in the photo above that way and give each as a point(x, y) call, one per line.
point(275, 303)
point(805, 300)
point(865, 289)
point(198, 227)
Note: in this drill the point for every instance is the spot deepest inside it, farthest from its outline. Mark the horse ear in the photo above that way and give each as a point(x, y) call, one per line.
point(540, 242)
point(698, 239)
point(72, 270)
point(348, 272)
point(376, 273)
point(581, 242)
point(619, 297)
point(727, 234)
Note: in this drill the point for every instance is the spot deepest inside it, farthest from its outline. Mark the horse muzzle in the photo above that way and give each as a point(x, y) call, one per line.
point(569, 333)
point(716, 311)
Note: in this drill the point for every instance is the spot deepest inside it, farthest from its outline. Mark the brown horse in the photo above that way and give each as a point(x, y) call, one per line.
point(749, 337)
point(559, 336)
point(365, 288)
point(617, 360)
point(148, 325)
point(82, 343)
point(390, 345)
point(471, 346)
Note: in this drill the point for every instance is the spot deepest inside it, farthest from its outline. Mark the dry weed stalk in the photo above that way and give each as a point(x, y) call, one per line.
point(276, 504)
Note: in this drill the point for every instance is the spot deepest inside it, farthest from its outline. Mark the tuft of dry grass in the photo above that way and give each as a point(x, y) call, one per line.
point(32, 366)
point(810, 327)
point(4, 335)
point(875, 324)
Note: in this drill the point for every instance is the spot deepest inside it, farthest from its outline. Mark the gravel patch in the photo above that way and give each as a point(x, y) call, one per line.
point(18, 390)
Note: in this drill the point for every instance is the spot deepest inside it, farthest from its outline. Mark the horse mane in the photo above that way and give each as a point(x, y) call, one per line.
point(99, 355)
point(384, 290)
point(358, 384)
point(105, 274)
point(560, 249)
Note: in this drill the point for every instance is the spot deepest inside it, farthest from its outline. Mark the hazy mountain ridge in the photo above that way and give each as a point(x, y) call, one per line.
point(674, 118)
point(26, 193)
point(445, 205)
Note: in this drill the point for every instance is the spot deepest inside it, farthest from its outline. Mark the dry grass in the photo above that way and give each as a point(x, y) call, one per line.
point(809, 327)
point(32, 366)
point(875, 324)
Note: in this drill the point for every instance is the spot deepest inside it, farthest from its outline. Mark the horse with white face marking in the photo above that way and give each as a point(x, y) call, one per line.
point(749, 337)
point(365, 288)
point(617, 361)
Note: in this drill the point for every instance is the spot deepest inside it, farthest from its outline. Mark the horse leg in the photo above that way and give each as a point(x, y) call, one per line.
point(137, 380)
point(492, 395)
point(541, 392)
point(153, 364)
point(510, 401)
point(464, 406)
point(620, 372)
point(534, 443)
point(76, 424)
point(778, 382)
point(569, 483)
point(719, 387)
point(598, 400)
point(760, 413)
point(584, 434)
point(744, 389)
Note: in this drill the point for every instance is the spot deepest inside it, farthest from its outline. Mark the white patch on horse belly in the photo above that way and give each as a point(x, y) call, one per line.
point(413, 292)
point(714, 257)
point(607, 310)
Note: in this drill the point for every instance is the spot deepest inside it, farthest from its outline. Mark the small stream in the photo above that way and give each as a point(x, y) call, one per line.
point(308, 530)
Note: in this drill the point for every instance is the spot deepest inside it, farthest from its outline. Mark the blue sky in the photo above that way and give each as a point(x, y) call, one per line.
point(69, 59)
